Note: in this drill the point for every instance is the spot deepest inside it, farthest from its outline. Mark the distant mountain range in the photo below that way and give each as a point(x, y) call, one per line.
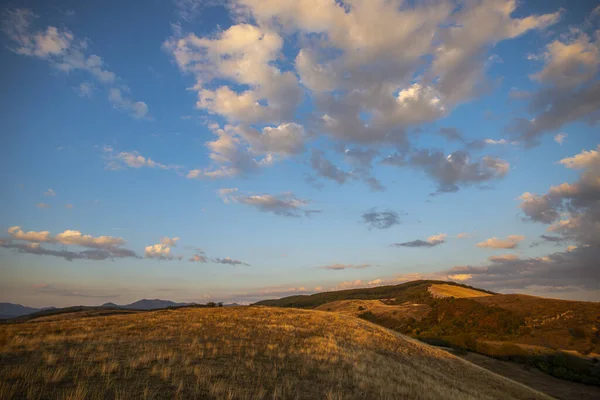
point(10, 310)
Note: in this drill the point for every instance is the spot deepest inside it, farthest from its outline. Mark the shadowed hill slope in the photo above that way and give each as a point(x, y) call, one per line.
point(234, 353)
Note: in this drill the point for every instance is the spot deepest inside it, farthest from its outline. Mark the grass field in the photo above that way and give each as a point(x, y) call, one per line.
point(233, 353)
point(459, 292)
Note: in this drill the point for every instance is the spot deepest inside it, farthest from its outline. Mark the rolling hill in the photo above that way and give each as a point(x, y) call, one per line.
point(560, 337)
point(234, 353)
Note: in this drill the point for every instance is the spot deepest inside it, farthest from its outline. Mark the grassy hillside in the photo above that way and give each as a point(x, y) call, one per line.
point(233, 353)
point(415, 291)
point(560, 337)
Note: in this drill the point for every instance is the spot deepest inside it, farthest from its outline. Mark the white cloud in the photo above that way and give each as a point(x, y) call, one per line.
point(102, 247)
point(560, 138)
point(50, 192)
point(169, 241)
point(243, 54)
point(66, 53)
point(510, 242)
point(569, 89)
point(116, 161)
point(284, 204)
point(339, 267)
point(159, 251)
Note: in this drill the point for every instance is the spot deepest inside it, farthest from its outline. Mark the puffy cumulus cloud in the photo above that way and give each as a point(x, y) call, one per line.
point(368, 90)
point(160, 251)
point(284, 204)
point(50, 192)
point(510, 242)
point(32, 236)
point(119, 160)
point(339, 267)
point(229, 261)
point(79, 239)
point(432, 241)
point(454, 170)
point(66, 53)
point(569, 88)
point(100, 248)
point(243, 54)
point(572, 210)
point(240, 150)
point(380, 219)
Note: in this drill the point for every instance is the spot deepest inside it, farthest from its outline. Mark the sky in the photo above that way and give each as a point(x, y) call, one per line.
point(240, 150)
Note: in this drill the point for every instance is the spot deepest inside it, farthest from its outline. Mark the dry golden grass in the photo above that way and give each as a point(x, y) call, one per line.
point(443, 290)
point(377, 307)
point(233, 353)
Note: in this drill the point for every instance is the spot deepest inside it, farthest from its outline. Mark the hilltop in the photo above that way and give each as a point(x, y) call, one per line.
point(411, 291)
point(560, 337)
point(234, 353)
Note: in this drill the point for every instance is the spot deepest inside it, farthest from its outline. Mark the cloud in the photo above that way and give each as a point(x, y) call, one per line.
point(137, 109)
point(50, 192)
point(245, 55)
point(432, 241)
point(199, 258)
point(66, 53)
point(380, 219)
point(324, 168)
point(101, 248)
point(43, 205)
point(572, 210)
point(339, 267)
point(452, 171)
point(510, 242)
point(560, 138)
point(117, 161)
point(240, 150)
point(285, 204)
point(576, 268)
point(32, 236)
point(367, 90)
point(162, 250)
point(69, 206)
point(228, 261)
point(85, 89)
point(569, 90)
point(159, 251)
point(169, 241)
point(463, 235)
point(497, 142)
point(503, 258)
point(361, 90)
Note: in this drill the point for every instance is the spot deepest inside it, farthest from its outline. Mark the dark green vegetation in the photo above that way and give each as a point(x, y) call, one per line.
point(561, 338)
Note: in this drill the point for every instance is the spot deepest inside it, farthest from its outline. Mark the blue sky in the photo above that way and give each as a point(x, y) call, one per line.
point(234, 151)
